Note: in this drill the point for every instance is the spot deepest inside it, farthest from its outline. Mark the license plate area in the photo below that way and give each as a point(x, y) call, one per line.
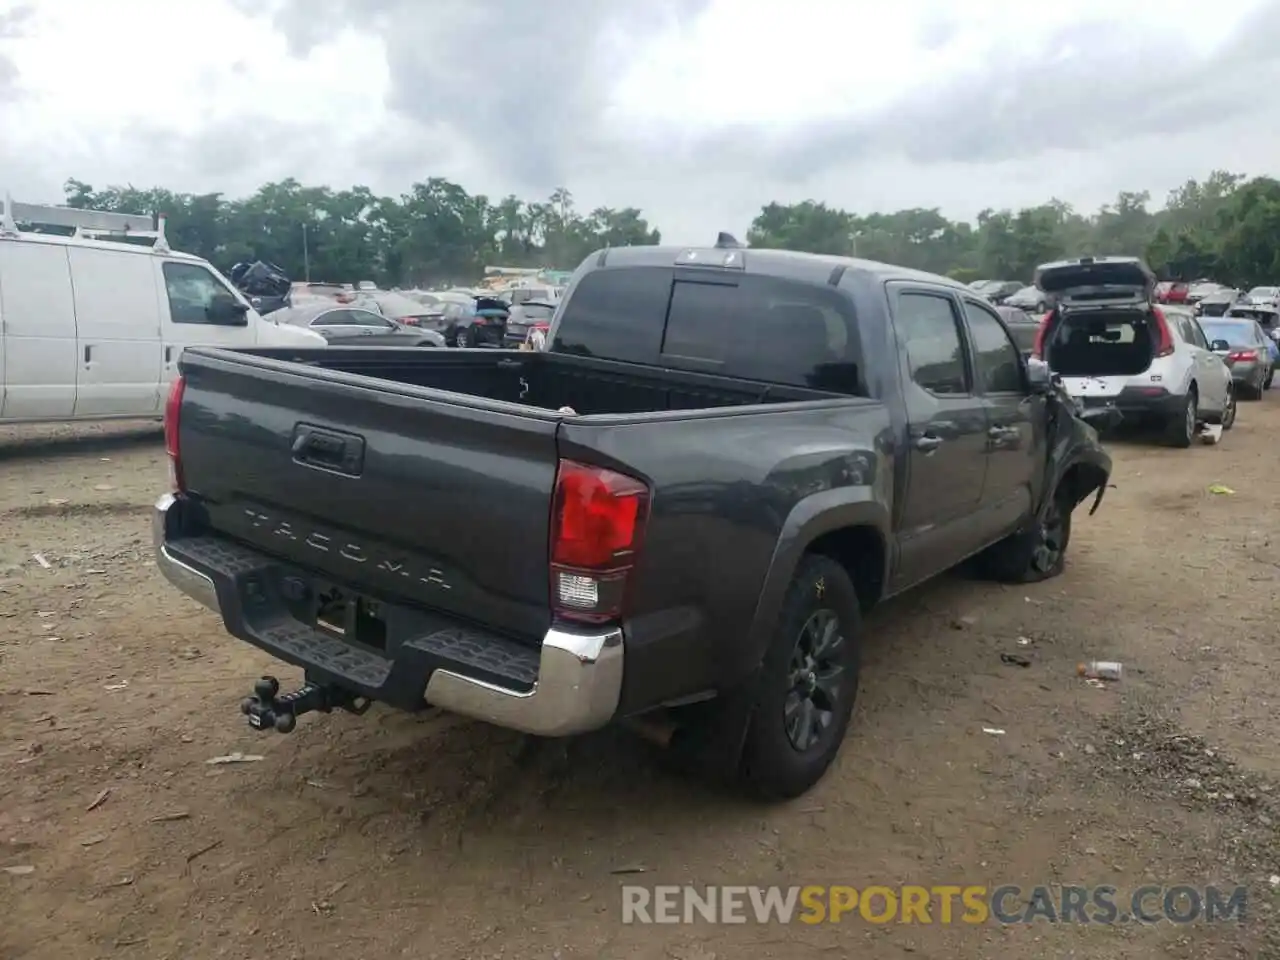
point(351, 617)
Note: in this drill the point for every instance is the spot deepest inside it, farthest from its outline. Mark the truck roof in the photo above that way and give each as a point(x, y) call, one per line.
point(790, 263)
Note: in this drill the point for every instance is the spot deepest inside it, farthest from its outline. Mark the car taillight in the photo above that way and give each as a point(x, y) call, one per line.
point(597, 524)
point(411, 321)
point(1165, 347)
point(1239, 355)
point(1037, 349)
point(172, 415)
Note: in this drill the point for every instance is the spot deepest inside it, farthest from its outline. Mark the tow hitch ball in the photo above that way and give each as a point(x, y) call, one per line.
point(269, 710)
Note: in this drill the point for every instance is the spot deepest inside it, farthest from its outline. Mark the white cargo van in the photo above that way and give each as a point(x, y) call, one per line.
point(91, 327)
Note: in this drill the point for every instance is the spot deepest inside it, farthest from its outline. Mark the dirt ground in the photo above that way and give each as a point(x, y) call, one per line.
point(433, 837)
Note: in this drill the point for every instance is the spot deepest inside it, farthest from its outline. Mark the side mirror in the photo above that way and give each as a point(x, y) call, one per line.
point(227, 312)
point(1039, 376)
point(1217, 345)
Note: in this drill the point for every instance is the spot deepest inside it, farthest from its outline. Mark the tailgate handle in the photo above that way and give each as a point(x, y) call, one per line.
point(328, 450)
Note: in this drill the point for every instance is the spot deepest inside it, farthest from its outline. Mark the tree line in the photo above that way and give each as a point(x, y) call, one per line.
point(1225, 227)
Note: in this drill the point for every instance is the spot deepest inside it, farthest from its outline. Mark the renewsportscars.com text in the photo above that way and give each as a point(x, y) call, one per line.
point(973, 904)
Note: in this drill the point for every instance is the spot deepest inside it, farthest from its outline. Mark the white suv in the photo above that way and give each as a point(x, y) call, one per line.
point(1113, 347)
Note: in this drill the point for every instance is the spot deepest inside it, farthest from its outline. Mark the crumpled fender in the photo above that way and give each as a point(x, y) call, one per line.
point(1072, 442)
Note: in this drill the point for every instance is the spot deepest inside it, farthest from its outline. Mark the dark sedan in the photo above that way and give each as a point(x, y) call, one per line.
point(523, 318)
point(350, 326)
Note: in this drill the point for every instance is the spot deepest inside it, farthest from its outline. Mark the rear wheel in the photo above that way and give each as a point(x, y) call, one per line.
point(1181, 430)
point(1266, 384)
point(1229, 412)
point(465, 338)
point(808, 683)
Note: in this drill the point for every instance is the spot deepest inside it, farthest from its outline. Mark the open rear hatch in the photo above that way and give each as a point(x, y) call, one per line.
point(1103, 328)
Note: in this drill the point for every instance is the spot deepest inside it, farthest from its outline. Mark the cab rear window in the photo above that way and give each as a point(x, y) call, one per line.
point(751, 326)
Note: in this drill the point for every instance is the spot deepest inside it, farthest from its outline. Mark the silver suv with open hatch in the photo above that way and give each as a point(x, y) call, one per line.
point(1113, 347)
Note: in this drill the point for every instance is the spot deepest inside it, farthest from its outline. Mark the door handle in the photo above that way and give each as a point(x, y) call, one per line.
point(168, 354)
point(927, 443)
point(88, 354)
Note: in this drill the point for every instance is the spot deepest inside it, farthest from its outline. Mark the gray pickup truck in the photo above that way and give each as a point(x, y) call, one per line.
point(680, 511)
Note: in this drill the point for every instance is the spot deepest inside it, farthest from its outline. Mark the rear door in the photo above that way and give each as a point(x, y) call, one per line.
point(947, 433)
point(118, 352)
point(38, 320)
point(1213, 376)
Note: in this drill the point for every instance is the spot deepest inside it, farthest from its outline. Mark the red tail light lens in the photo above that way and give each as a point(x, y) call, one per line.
point(172, 415)
point(597, 523)
point(1164, 347)
point(1238, 355)
point(1037, 349)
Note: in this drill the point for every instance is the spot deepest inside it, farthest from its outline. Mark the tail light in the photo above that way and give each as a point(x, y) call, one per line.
point(172, 415)
point(411, 321)
point(597, 524)
point(1037, 349)
point(1164, 348)
point(1241, 355)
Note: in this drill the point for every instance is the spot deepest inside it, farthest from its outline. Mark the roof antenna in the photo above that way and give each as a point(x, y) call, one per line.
point(727, 241)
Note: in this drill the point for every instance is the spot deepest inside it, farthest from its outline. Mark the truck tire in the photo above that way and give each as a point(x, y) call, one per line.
point(1034, 554)
point(1181, 429)
point(807, 685)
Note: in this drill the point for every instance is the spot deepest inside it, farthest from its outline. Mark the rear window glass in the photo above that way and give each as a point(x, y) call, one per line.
point(754, 327)
point(768, 329)
point(616, 314)
point(1231, 332)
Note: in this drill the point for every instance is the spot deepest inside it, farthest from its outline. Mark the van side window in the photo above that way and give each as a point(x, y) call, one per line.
point(191, 289)
point(995, 355)
point(929, 330)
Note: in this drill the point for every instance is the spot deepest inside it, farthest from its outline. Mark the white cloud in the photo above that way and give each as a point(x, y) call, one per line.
point(699, 112)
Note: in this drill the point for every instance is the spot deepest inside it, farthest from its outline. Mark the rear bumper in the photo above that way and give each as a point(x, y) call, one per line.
point(1140, 402)
point(572, 684)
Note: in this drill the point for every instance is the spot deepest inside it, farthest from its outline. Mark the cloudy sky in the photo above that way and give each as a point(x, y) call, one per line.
point(697, 111)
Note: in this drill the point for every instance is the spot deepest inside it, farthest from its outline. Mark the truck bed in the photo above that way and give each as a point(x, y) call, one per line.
point(545, 380)
point(422, 476)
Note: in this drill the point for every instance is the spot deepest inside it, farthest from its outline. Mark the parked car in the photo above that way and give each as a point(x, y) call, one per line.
point(1201, 289)
point(474, 322)
point(352, 326)
point(1028, 298)
point(1264, 296)
point(997, 291)
point(1246, 349)
point(1268, 317)
point(1217, 303)
point(1113, 347)
point(396, 306)
point(93, 324)
point(523, 318)
point(1172, 291)
point(713, 520)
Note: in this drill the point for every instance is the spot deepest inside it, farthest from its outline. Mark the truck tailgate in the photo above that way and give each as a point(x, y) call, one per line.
point(414, 495)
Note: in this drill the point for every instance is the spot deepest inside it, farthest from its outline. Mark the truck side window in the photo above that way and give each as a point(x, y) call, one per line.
point(995, 355)
point(929, 330)
point(191, 289)
point(768, 329)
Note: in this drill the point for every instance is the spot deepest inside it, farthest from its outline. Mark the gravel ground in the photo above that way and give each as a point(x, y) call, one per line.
point(434, 837)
